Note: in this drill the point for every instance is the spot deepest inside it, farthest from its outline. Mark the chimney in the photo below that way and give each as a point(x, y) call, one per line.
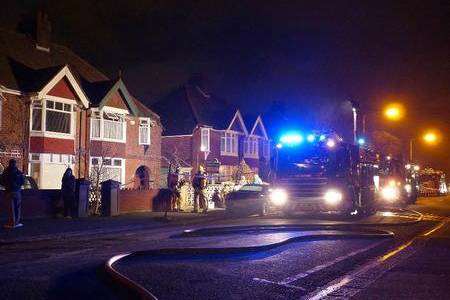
point(43, 32)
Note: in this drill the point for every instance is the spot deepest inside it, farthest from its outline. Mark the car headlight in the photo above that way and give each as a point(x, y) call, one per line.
point(390, 193)
point(333, 197)
point(278, 197)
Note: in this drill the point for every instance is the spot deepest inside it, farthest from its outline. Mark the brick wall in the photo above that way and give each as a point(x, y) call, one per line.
point(14, 120)
point(35, 203)
point(136, 200)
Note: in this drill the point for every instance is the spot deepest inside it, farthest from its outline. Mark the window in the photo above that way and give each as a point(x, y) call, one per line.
point(107, 168)
point(58, 117)
point(204, 146)
point(110, 127)
point(229, 144)
point(251, 147)
point(36, 117)
point(144, 131)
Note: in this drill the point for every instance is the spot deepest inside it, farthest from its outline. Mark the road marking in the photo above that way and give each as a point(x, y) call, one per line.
point(278, 283)
point(328, 264)
point(344, 282)
point(287, 281)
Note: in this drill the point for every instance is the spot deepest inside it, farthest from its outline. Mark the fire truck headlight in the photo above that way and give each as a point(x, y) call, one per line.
point(390, 193)
point(333, 197)
point(278, 197)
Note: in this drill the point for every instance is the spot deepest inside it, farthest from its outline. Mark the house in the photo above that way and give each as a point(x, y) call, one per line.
point(58, 111)
point(201, 128)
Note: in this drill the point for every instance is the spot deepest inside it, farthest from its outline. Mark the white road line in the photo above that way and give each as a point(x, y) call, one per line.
point(376, 267)
point(278, 283)
point(328, 264)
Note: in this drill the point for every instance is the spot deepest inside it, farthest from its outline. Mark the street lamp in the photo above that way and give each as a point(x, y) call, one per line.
point(394, 112)
point(429, 137)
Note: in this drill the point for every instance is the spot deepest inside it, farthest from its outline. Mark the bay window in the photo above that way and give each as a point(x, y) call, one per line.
point(229, 144)
point(58, 117)
point(107, 126)
point(144, 131)
point(52, 117)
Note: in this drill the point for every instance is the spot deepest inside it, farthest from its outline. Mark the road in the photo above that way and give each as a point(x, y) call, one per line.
point(341, 260)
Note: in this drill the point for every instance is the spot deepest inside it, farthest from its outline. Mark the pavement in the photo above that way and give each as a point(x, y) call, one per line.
point(55, 259)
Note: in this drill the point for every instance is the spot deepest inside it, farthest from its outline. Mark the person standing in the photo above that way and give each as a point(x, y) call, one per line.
point(199, 184)
point(68, 192)
point(12, 179)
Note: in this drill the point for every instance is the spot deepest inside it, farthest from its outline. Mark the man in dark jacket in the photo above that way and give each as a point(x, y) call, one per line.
point(68, 192)
point(12, 179)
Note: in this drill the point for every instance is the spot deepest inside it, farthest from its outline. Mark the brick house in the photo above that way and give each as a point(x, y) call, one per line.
point(57, 110)
point(201, 128)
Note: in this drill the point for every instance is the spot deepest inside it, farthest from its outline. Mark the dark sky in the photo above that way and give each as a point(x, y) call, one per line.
point(313, 55)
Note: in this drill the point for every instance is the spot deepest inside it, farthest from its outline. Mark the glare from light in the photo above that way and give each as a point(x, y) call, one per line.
point(322, 137)
point(408, 166)
point(278, 197)
point(430, 137)
point(416, 168)
point(311, 138)
point(333, 197)
point(387, 214)
point(291, 139)
point(279, 146)
point(331, 143)
point(361, 141)
point(408, 188)
point(388, 157)
point(394, 112)
point(390, 193)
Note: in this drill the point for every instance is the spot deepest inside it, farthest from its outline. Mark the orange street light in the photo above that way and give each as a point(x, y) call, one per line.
point(430, 137)
point(394, 112)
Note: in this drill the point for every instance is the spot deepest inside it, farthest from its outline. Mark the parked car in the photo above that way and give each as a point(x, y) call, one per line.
point(29, 184)
point(253, 199)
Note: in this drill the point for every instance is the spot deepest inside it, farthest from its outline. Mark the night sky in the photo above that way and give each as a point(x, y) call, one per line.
point(311, 55)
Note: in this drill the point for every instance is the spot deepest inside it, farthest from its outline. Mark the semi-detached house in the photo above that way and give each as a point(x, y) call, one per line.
point(201, 128)
point(57, 110)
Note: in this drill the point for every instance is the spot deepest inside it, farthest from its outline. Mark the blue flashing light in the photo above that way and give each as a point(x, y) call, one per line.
point(361, 141)
point(322, 137)
point(311, 138)
point(291, 139)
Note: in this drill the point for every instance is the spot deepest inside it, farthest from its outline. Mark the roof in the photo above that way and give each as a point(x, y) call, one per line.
point(18, 53)
point(189, 106)
point(25, 68)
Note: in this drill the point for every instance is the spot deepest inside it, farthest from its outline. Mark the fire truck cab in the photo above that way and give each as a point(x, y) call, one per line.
point(321, 173)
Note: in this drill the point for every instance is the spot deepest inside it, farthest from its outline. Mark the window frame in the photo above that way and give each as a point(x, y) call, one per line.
point(229, 143)
point(112, 165)
point(42, 106)
point(148, 126)
point(207, 147)
point(251, 147)
point(99, 115)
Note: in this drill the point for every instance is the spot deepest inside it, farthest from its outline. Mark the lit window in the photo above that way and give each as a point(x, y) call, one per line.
point(107, 168)
point(144, 131)
point(204, 146)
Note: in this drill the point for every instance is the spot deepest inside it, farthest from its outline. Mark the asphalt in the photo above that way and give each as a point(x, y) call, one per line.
point(69, 263)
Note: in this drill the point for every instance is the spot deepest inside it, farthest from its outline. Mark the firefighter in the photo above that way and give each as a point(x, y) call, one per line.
point(199, 183)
